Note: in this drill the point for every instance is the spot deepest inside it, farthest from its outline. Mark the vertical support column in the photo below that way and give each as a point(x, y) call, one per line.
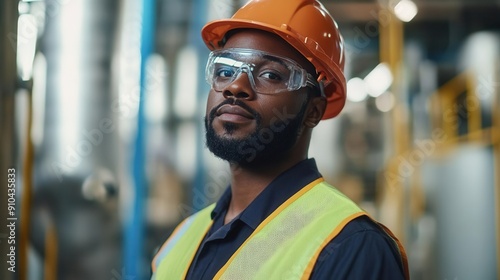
point(474, 119)
point(8, 148)
point(391, 52)
point(134, 235)
point(199, 16)
point(495, 134)
point(26, 198)
point(51, 255)
point(496, 152)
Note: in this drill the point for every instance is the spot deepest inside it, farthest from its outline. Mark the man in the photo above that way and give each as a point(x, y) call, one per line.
point(275, 71)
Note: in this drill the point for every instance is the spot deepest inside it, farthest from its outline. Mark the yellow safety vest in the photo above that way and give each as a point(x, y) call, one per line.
point(285, 245)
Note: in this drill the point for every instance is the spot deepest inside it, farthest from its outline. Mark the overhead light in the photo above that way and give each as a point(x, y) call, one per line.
point(70, 90)
point(156, 86)
point(385, 102)
point(27, 33)
point(185, 101)
point(378, 80)
point(405, 10)
point(356, 90)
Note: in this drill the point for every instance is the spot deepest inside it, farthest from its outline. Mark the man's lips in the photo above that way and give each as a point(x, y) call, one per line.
point(233, 113)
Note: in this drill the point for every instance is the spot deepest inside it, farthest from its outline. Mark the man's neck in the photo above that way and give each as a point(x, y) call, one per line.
point(247, 182)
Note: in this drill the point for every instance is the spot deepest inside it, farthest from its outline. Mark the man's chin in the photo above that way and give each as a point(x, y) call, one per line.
point(227, 148)
point(232, 131)
point(232, 137)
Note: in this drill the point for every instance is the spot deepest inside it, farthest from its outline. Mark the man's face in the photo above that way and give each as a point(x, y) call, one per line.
point(244, 126)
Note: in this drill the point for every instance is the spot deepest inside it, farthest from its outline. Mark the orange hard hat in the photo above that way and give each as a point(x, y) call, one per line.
point(307, 26)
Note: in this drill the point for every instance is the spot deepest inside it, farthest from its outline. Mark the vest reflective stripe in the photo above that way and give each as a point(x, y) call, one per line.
point(286, 244)
point(174, 258)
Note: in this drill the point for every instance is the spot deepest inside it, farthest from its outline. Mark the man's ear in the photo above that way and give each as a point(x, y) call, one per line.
point(315, 111)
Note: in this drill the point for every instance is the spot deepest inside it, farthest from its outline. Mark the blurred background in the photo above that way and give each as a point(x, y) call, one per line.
point(101, 108)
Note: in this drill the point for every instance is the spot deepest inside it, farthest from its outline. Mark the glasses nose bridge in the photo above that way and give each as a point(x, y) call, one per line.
point(245, 68)
point(238, 86)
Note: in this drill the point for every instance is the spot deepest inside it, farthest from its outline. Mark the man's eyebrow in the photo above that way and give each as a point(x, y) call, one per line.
point(275, 59)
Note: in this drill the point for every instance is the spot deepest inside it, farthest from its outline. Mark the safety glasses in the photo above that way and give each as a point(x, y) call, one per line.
point(267, 73)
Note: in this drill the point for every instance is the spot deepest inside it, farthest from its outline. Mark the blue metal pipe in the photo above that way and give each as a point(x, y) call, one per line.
point(199, 18)
point(134, 257)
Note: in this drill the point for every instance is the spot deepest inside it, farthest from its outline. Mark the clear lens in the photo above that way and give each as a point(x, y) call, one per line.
point(268, 74)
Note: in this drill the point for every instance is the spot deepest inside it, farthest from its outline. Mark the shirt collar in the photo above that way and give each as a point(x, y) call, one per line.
point(277, 192)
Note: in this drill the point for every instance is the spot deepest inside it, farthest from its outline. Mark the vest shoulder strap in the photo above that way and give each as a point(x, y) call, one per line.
point(175, 256)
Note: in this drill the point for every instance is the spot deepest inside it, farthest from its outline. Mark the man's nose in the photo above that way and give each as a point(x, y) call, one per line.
point(240, 87)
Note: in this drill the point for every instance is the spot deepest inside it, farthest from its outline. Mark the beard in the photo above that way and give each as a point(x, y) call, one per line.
point(265, 144)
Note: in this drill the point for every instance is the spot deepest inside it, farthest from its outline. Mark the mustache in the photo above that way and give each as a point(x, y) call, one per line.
point(236, 102)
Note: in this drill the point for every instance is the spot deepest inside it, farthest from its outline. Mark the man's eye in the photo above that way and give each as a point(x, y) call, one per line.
point(271, 76)
point(224, 72)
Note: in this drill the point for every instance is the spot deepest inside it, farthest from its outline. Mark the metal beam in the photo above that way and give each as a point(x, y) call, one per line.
point(8, 148)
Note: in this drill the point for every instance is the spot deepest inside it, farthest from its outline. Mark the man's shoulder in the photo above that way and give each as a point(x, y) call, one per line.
point(359, 227)
point(367, 235)
point(361, 248)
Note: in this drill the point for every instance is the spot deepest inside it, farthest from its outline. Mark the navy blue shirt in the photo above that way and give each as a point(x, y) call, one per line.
point(362, 250)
